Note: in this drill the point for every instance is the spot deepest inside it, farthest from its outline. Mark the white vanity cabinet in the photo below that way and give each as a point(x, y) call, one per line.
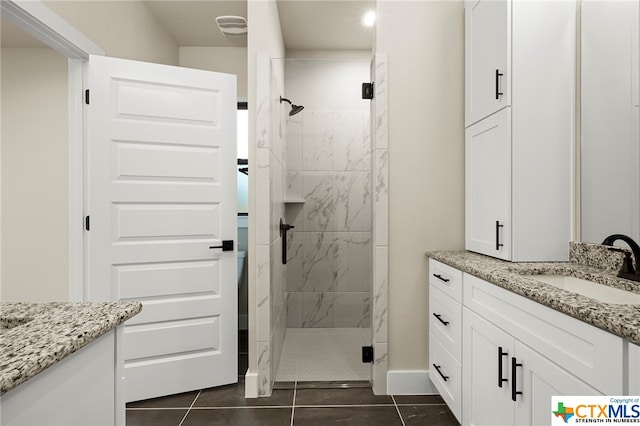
point(508, 383)
point(519, 113)
point(445, 333)
point(517, 354)
point(85, 388)
point(497, 357)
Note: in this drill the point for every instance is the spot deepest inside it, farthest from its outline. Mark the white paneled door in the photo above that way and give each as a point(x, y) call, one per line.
point(161, 193)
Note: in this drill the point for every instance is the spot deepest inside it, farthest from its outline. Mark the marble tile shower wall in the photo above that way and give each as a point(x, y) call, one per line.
point(270, 282)
point(328, 273)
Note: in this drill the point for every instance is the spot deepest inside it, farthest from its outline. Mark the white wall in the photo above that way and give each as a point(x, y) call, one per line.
point(425, 46)
point(34, 175)
point(124, 29)
point(230, 60)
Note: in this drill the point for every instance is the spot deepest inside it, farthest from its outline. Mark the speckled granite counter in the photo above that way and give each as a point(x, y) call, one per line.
point(34, 336)
point(621, 320)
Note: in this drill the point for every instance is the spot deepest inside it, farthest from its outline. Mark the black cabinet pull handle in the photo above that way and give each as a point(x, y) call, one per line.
point(500, 355)
point(498, 92)
point(438, 276)
point(437, 367)
point(498, 243)
point(514, 387)
point(440, 319)
point(227, 245)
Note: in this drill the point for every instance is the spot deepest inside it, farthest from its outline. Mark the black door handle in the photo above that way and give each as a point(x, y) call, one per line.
point(283, 236)
point(514, 387)
point(227, 245)
point(500, 355)
point(498, 92)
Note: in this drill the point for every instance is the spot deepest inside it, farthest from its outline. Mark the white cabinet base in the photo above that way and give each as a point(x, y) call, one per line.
point(80, 390)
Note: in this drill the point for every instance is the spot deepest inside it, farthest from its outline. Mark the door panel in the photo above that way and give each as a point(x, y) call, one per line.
point(161, 221)
point(487, 50)
point(484, 402)
point(488, 185)
point(162, 190)
point(539, 379)
point(158, 339)
point(175, 308)
point(166, 279)
point(166, 162)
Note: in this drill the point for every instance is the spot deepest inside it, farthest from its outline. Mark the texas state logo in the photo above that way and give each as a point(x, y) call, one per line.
point(595, 409)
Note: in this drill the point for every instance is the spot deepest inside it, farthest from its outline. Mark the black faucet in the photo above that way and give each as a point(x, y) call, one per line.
point(627, 271)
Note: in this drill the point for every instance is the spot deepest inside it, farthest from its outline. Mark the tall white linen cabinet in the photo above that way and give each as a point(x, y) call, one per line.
point(520, 64)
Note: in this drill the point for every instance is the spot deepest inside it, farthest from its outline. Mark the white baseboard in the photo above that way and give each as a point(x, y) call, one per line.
point(410, 382)
point(251, 385)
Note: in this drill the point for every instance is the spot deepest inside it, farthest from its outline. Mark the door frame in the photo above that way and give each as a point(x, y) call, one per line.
point(39, 21)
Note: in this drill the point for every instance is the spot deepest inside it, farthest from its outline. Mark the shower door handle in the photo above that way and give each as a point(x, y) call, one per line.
point(283, 236)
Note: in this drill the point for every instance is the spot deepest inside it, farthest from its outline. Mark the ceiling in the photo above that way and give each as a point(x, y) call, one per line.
point(325, 24)
point(306, 24)
point(193, 23)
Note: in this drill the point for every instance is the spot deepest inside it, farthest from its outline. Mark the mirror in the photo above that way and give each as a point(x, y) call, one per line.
point(610, 117)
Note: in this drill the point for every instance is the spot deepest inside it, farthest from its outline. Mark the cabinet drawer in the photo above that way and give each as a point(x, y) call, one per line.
point(445, 321)
point(446, 278)
point(446, 374)
point(582, 349)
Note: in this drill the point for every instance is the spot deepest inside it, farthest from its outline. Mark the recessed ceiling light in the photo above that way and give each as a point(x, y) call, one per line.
point(369, 18)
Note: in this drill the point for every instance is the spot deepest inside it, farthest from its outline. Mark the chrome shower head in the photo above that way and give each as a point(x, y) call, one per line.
point(294, 108)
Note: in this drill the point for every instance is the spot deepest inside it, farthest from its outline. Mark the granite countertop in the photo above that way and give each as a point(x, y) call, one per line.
point(34, 336)
point(621, 320)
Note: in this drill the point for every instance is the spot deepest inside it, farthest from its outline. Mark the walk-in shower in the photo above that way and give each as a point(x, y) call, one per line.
point(329, 187)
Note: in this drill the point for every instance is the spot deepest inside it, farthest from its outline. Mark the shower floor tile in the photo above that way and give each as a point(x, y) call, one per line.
point(324, 354)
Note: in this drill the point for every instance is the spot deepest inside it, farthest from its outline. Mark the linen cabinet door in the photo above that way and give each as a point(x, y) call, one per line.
point(486, 391)
point(488, 186)
point(487, 58)
point(538, 379)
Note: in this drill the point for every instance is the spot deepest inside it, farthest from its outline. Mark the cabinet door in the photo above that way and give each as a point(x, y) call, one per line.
point(539, 379)
point(488, 186)
point(634, 370)
point(487, 63)
point(486, 394)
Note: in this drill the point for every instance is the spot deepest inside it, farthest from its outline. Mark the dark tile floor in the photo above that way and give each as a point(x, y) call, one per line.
point(227, 406)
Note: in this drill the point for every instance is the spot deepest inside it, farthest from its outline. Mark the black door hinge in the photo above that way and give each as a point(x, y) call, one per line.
point(367, 90)
point(367, 354)
point(86, 96)
point(87, 223)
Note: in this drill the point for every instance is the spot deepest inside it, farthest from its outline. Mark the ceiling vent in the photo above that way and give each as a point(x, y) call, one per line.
point(232, 26)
